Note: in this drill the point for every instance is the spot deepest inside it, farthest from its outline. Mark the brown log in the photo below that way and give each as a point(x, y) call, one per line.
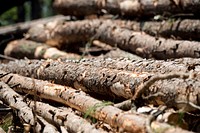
point(65, 118)
point(180, 29)
point(140, 43)
point(112, 82)
point(115, 83)
point(25, 48)
point(118, 53)
point(25, 113)
point(126, 7)
point(131, 122)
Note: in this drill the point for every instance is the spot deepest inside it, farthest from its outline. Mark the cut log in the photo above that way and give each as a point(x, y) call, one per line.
point(111, 82)
point(25, 113)
point(126, 7)
point(131, 122)
point(60, 34)
point(65, 118)
point(24, 48)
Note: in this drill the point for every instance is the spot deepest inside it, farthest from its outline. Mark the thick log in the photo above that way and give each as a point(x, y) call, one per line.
point(126, 7)
point(111, 82)
point(25, 113)
point(115, 83)
point(65, 118)
point(140, 43)
point(180, 29)
point(184, 65)
point(130, 122)
point(25, 48)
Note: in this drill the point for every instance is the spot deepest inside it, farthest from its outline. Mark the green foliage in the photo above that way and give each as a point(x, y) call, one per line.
point(9, 16)
point(90, 111)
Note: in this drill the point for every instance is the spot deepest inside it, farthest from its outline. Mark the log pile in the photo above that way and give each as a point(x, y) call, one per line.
point(106, 66)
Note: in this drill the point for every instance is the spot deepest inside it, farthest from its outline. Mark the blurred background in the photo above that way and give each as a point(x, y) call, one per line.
point(13, 11)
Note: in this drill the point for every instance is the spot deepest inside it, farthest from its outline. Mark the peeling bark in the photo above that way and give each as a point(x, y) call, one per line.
point(130, 122)
point(25, 113)
point(111, 82)
point(126, 7)
point(24, 48)
point(60, 34)
point(65, 118)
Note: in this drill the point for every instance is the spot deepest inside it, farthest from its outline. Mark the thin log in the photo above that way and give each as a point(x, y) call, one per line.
point(25, 113)
point(126, 7)
point(79, 100)
point(60, 34)
point(118, 53)
point(25, 48)
point(1, 130)
point(21, 28)
point(43, 126)
point(65, 118)
point(110, 82)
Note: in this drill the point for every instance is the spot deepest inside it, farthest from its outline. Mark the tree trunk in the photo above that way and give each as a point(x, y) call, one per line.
point(142, 44)
point(24, 48)
point(130, 122)
point(129, 8)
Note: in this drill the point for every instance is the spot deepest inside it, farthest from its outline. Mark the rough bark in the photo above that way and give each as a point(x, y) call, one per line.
point(184, 65)
point(25, 113)
point(180, 29)
point(24, 48)
point(116, 83)
point(65, 118)
point(126, 7)
point(59, 34)
point(79, 100)
point(111, 82)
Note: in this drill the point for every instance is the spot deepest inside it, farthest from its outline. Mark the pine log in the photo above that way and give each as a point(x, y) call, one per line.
point(25, 113)
point(130, 122)
point(126, 7)
point(25, 48)
point(59, 34)
point(65, 118)
point(111, 82)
